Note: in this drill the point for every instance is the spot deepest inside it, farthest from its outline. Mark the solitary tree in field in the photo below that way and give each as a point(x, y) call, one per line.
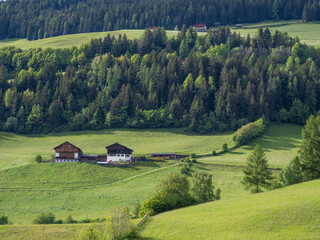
point(257, 174)
point(309, 153)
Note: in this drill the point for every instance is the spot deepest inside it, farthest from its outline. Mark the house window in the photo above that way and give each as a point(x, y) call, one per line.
point(122, 155)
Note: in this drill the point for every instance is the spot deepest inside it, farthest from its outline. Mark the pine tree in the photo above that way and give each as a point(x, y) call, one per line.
point(257, 173)
point(309, 153)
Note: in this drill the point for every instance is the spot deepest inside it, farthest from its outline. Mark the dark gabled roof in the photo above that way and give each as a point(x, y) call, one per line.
point(68, 144)
point(117, 146)
point(200, 25)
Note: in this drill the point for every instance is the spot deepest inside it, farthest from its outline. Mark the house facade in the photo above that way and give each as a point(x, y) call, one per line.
point(201, 27)
point(67, 152)
point(118, 152)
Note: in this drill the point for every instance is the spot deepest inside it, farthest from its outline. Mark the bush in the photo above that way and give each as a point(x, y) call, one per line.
point(44, 218)
point(247, 132)
point(3, 220)
point(184, 169)
point(214, 153)
point(193, 155)
point(38, 159)
point(135, 210)
point(194, 160)
point(70, 220)
point(171, 192)
point(89, 234)
point(11, 125)
point(152, 206)
point(225, 147)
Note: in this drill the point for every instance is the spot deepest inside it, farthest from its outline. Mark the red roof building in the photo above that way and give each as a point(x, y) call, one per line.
point(201, 27)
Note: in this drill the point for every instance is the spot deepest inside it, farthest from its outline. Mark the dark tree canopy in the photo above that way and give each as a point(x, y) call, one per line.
point(221, 81)
point(34, 19)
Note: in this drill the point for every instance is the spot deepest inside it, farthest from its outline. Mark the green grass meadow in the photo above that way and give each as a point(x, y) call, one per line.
point(280, 143)
point(289, 213)
point(308, 32)
point(86, 190)
point(66, 41)
point(17, 150)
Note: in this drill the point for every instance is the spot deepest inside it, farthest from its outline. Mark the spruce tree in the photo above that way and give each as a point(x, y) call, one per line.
point(309, 153)
point(257, 173)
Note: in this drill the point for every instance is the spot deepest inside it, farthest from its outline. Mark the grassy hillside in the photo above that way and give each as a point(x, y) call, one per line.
point(280, 142)
point(72, 39)
point(308, 32)
point(288, 213)
point(141, 141)
point(94, 191)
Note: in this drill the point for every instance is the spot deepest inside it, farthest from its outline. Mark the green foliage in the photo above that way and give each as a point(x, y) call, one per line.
point(170, 193)
point(224, 147)
point(89, 234)
point(135, 210)
point(257, 173)
point(184, 169)
point(309, 154)
point(3, 220)
point(292, 174)
point(70, 219)
point(248, 132)
point(202, 187)
point(38, 159)
point(214, 153)
point(44, 218)
point(118, 224)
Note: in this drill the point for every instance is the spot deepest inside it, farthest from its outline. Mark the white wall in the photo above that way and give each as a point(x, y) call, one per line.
point(76, 155)
point(118, 157)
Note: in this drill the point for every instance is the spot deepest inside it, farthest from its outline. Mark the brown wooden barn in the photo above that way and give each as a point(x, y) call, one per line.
point(67, 152)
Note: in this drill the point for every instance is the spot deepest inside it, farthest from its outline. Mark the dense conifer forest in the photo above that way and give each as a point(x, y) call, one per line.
point(36, 19)
point(206, 83)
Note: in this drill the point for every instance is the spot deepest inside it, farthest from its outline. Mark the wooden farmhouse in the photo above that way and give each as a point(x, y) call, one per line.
point(67, 152)
point(201, 27)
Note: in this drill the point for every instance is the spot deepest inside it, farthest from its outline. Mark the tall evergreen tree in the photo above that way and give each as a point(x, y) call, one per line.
point(257, 172)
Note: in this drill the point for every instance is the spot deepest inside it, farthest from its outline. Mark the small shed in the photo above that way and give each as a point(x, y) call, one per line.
point(67, 152)
point(239, 25)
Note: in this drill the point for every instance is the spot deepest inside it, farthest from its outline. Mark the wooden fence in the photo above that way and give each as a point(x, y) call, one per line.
point(142, 220)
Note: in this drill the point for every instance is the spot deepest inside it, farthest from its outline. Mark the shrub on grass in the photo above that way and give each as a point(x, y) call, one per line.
point(171, 192)
point(70, 219)
point(225, 147)
point(184, 169)
point(135, 210)
point(3, 220)
point(193, 155)
point(38, 159)
point(248, 132)
point(214, 153)
point(194, 160)
point(44, 218)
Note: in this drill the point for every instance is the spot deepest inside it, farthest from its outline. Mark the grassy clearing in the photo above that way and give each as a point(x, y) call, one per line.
point(308, 32)
point(66, 41)
point(280, 142)
point(17, 150)
point(288, 213)
point(22, 205)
